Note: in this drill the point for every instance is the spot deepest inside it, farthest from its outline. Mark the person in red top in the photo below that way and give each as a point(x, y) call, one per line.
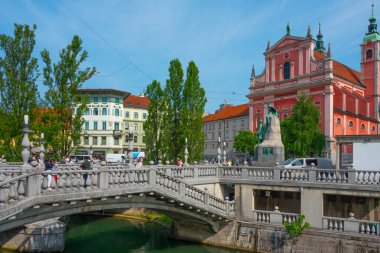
point(179, 162)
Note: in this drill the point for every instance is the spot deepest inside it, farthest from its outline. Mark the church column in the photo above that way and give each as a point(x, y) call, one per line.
point(329, 122)
point(307, 61)
point(273, 72)
point(267, 69)
point(251, 117)
point(300, 61)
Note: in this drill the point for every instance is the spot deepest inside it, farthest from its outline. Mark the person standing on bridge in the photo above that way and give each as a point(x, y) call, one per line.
point(139, 163)
point(86, 165)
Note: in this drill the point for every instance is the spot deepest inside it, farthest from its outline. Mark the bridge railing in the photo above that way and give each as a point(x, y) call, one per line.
point(15, 186)
point(351, 225)
point(273, 217)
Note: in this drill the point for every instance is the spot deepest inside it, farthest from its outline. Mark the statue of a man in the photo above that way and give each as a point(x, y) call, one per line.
point(261, 132)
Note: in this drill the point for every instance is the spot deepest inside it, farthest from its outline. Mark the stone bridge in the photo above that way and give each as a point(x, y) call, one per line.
point(26, 198)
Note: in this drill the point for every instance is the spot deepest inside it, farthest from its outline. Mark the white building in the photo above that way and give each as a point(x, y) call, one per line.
point(103, 117)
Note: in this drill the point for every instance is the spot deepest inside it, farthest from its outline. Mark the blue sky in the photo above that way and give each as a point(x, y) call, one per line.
point(131, 42)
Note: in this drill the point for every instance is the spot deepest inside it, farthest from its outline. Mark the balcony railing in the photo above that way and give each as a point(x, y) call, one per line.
point(117, 133)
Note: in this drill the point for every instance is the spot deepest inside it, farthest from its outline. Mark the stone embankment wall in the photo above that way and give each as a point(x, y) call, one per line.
point(44, 236)
point(271, 239)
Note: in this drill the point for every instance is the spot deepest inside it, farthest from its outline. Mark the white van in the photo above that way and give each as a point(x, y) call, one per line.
point(115, 158)
point(299, 163)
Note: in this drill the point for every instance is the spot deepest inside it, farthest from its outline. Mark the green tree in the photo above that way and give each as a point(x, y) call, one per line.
point(301, 134)
point(154, 123)
point(173, 91)
point(245, 140)
point(62, 80)
point(18, 90)
point(193, 104)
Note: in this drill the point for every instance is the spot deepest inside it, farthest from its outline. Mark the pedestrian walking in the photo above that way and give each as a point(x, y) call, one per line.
point(86, 165)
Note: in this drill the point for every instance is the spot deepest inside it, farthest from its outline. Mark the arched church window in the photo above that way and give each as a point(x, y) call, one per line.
point(362, 126)
point(338, 121)
point(373, 129)
point(286, 70)
point(368, 54)
point(350, 124)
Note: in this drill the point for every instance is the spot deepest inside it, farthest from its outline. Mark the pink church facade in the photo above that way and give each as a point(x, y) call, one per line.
point(348, 100)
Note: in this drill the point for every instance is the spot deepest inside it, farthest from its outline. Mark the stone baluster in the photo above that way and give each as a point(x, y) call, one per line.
point(25, 154)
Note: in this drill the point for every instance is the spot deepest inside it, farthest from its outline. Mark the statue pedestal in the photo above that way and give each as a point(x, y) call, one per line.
point(271, 150)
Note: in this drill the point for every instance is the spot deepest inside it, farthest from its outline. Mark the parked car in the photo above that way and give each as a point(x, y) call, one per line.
point(79, 158)
point(298, 163)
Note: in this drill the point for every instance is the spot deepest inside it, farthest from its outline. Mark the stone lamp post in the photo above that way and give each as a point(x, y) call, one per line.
point(219, 151)
point(186, 152)
point(25, 154)
point(130, 148)
point(42, 151)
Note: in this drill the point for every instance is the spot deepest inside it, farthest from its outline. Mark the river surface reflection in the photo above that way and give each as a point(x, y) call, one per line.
point(87, 234)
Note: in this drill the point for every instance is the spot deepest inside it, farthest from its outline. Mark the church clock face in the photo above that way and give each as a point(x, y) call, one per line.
point(321, 65)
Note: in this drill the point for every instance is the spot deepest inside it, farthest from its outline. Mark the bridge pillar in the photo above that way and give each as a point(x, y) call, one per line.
point(103, 178)
point(33, 183)
point(312, 206)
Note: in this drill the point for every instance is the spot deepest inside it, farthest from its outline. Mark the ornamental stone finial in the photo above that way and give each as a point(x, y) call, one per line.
point(42, 151)
point(224, 153)
point(130, 148)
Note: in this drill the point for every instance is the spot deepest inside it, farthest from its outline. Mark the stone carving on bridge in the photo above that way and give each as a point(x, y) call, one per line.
point(270, 148)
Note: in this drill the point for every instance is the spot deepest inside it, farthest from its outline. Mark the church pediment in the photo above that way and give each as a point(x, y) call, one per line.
point(287, 41)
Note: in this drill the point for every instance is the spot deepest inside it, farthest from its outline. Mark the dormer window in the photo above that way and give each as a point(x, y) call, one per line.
point(368, 54)
point(286, 70)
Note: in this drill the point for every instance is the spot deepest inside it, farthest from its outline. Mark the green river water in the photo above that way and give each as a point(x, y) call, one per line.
point(93, 234)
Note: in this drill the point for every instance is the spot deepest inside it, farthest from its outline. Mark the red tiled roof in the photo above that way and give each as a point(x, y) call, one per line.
point(227, 112)
point(136, 101)
point(341, 70)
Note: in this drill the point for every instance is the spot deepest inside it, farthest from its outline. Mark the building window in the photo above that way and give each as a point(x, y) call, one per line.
point(104, 100)
point(127, 138)
point(126, 126)
point(338, 121)
point(227, 134)
point(286, 70)
point(95, 140)
point(86, 125)
point(104, 140)
point(368, 54)
point(104, 125)
point(127, 114)
point(213, 126)
point(373, 129)
point(87, 111)
point(117, 113)
point(220, 134)
point(234, 134)
point(136, 127)
point(234, 123)
point(143, 139)
point(96, 111)
point(117, 101)
point(350, 124)
point(362, 126)
point(116, 141)
point(136, 115)
point(135, 139)
point(96, 100)
point(220, 125)
point(213, 145)
point(227, 124)
point(117, 126)
point(242, 122)
point(86, 140)
point(104, 111)
point(144, 115)
point(95, 125)
point(213, 136)
point(226, 144)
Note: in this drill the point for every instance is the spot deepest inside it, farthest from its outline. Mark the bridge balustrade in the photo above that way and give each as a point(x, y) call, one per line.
point(273, 217)
point(351, 225)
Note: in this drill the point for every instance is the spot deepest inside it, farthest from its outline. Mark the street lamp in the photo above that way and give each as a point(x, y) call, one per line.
point(130, 147)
